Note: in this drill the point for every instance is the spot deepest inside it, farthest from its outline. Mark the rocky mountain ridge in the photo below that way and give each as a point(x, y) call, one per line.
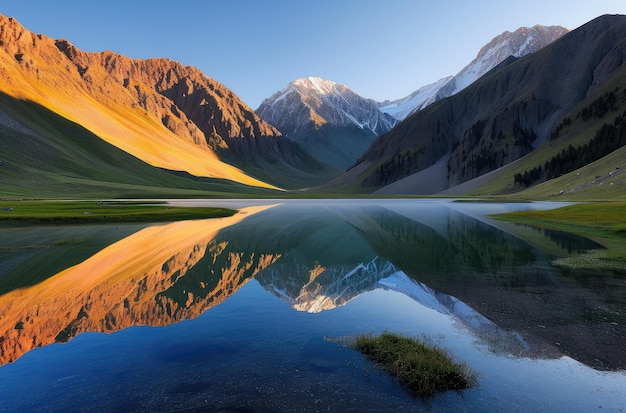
point(320, 101)
point(198, 106)
point(330, 120)
point(521, 42)
point(173, 117)
point(169, 115)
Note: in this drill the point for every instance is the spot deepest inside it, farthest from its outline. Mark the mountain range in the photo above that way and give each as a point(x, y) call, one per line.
point(75, 123)
point(337, 125)
point(533, 107)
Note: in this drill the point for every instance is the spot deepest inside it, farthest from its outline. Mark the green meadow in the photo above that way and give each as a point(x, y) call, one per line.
point(603, 222)
point(13, 213)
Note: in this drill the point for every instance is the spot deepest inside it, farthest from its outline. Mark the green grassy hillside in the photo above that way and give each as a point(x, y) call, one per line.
point(600, 179)
point(43, 155)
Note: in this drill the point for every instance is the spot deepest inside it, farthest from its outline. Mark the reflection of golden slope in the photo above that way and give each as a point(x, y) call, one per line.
point(127, 112)
point(120, 286)
point(317, 270)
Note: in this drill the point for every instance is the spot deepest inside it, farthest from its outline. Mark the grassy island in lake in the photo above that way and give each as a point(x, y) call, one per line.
point(421, 369)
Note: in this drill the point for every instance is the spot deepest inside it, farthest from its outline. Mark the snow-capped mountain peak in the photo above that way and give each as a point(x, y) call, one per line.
point(330, 120)
point(322, 101)
point(417, 100)
point(523, 41)
point(321, 86)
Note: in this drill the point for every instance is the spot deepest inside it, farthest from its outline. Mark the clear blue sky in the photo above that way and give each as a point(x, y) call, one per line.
point(382, 49)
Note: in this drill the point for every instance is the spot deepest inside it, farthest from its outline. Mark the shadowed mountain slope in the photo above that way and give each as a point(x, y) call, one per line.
point(46, 156)
point(505, 115)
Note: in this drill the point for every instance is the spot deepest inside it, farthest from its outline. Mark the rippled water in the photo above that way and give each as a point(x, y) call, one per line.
point(247, 313)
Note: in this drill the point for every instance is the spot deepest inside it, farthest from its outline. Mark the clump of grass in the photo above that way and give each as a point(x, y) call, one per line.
point(423, 370)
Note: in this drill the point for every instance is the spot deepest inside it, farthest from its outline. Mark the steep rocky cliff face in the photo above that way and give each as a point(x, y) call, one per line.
point(506, 114)
point(158, 110)
point(186, 99)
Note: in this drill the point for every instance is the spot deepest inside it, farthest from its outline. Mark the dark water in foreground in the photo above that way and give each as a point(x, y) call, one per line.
point(243, 314)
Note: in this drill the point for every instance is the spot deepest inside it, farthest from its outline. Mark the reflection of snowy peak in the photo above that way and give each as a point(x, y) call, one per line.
point(323, 288)
point(523, 41)
point(322, 102)
point(499, 339)
point(315, 289)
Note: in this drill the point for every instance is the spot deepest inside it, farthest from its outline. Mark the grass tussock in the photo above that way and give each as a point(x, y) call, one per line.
point(423, 370)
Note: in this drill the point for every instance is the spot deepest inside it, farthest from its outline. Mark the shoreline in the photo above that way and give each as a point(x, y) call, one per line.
point(33, 213)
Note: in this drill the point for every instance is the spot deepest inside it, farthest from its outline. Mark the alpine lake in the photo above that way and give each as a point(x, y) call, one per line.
point(251, 313)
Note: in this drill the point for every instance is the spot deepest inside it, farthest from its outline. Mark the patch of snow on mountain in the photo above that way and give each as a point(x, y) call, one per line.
point(322, 86)
point(522, 50)
point(422, 97)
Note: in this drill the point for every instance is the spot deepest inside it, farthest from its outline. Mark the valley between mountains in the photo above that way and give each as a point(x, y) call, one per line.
point(540, 113)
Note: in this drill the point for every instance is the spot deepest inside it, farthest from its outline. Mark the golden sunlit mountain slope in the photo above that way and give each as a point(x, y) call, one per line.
point(141, 280)
point(169, 115)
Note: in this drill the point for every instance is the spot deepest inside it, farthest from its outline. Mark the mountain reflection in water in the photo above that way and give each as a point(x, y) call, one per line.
point(317, 258)
point(148, 278)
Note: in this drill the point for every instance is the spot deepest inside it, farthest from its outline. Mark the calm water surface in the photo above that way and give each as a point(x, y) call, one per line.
point(248, 313)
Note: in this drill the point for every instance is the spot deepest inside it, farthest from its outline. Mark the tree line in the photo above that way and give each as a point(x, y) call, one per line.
point(607, 139)
point(599, 107)
point(400, 165)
